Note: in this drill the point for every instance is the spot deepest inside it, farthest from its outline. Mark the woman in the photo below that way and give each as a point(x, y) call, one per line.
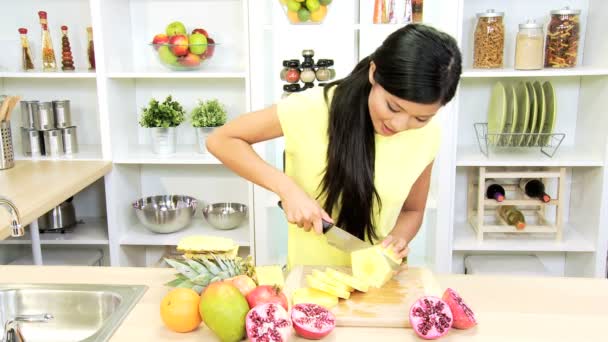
point(358, 152)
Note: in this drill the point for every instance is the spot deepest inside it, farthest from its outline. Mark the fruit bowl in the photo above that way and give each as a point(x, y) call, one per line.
point(183, 56)
point(305, 11)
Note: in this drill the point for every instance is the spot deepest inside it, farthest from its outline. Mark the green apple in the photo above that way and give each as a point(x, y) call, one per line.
point(198, 43)
point(166, 56)
point(325, 2)
point(303, 14)
point(293, 5)
point(175, 28)
point(312, 5)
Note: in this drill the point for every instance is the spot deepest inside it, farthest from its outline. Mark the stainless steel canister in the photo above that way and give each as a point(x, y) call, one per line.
point(63, 115)
point(46, 118)
point(53, 144)
point(29, 114)
point(70, 140)
point(32, 142)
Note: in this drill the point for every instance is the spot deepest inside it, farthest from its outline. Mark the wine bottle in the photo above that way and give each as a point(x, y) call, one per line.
point(495, 191)
point(534, 188)
point(512, 216)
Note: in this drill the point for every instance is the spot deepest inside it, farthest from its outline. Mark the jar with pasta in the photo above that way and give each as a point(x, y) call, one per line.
point(489, 40)
point(561, 45)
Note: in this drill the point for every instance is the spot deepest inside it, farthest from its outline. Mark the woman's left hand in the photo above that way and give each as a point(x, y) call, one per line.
point(398, 244)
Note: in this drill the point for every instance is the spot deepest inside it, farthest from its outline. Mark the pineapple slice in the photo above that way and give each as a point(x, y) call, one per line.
point(375, 264)
point(309, 295)
point(270, 275)
point(201, 244)
point(331, 281)
point(320, 285)
point(357, 284)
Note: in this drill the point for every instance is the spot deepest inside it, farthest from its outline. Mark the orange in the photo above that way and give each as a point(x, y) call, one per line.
point(319, 14)
point(293, 17)
point(179, 310)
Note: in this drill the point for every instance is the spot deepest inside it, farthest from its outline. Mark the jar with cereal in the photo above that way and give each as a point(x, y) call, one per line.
point(561, 46)
point(489, 39)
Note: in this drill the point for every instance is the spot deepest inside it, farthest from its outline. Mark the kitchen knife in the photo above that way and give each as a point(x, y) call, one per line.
point(340, 238)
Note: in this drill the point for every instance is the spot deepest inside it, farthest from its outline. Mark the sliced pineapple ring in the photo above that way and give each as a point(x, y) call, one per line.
point(270, 275)
point(314, 296)
point(320, 285)
point(331, 281)
point(357, 284)
point(373, 265)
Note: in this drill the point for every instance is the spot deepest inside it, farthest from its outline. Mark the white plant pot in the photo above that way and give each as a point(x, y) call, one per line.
point(164, 140)
point(201, 137)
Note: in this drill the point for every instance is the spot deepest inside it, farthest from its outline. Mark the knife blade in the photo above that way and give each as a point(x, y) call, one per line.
point(339, 237)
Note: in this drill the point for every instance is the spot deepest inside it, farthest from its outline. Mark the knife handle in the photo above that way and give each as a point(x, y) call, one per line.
point(326, 225)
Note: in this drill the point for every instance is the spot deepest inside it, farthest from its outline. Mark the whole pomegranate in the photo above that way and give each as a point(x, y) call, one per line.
point(312, 321)
point(464, 317)
point(243, 283)
point(430, 317)
point(267, 294)
point(268, 322)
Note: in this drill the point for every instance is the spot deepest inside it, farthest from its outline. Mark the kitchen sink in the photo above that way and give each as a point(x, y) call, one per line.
point(79, 312)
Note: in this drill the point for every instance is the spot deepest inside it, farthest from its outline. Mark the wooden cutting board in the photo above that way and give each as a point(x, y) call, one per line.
point(387, 307)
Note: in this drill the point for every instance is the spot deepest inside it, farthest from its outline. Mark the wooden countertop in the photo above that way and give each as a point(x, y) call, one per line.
point(38, 186)
point(508, 308)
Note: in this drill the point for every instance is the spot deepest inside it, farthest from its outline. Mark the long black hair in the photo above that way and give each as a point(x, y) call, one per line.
point(416, 63)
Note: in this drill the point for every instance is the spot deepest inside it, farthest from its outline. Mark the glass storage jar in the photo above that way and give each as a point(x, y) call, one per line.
point(529, 46)
point(293, 73)
point(561, 46)
point(284, 70)
point(489, 40)
point(308, 74)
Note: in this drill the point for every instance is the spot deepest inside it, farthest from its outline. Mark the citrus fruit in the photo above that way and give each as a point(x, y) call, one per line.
point(300, 0)
point(312, 5)
point(293, 17)
point(319, 14)
point(293, 5)
point(179, 310)
point(303, 14)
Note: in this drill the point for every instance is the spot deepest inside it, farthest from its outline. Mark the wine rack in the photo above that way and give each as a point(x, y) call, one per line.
point(482, 213)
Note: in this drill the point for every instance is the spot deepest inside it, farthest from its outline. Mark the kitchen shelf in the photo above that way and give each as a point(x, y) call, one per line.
point(94, 231)
point(185, 154)
point(572, 241)
point(164, 74)
point(85, 152)
point(568, 156)
point(56, 74)
point(138, 235)
point(510, 72)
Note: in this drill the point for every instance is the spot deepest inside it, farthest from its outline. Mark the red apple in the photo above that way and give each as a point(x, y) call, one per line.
point(201, 31)
point(191, 60)
point(159, 39)
point(210, 49)
point(179, 45)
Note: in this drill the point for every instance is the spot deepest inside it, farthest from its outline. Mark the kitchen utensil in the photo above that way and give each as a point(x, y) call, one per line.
point(532, 113)
point(4, 108)
point(511, 122)
point(7, 158)
point(523, 113)
point(63, 114)
point(225, 216)
point(32, 142)
point(339, 237)
point(70, 140)
point(386, 307)
point(165, 213)
point(540, 120)
point(53, 143)
point(11, 105)
point(59, 218)
point(497, 110)
point(46, 117)
point(551, 112)
point(28, 114)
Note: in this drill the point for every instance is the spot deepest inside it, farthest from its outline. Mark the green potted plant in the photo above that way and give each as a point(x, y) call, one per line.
point(205, 117)
point(162, 120)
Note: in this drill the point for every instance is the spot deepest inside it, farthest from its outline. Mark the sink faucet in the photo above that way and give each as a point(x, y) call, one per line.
point(12, 329)
point(16, 229)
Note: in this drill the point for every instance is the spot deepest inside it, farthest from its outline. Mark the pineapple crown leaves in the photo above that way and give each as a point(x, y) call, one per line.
point(210, 113)
point(167, 114)
point(198, 274)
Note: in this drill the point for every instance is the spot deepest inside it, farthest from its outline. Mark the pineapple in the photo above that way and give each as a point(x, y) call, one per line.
point(357, 284)
point(331, 281)
point(309, 295)
point(200, 246)
point(320, 285)
point(375, 264)
point(270, 275)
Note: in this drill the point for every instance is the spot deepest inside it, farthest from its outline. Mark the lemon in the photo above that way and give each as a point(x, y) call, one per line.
point(293, 5)
point(319, 15)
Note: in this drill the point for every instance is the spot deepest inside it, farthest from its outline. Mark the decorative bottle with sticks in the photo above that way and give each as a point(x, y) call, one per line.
point(67, 61)
point(48, 53)
point(90, 48)
point(27, 63)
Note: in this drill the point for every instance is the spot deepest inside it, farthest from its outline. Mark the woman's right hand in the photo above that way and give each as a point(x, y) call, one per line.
point(302, 210)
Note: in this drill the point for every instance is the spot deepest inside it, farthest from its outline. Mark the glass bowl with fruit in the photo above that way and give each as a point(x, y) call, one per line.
point(305, 11)
point(177, 50)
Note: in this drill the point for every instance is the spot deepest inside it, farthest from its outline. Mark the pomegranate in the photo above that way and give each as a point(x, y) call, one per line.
point(267, 294)
point(464, 317)
point(268, 322)
point(243, 283)
point(430, 317)
point(312, 321)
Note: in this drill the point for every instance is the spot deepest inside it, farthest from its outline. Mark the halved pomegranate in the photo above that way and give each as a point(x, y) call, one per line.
point(430, 317)
point(464, 317)
point(268, 322)
point(312, 321)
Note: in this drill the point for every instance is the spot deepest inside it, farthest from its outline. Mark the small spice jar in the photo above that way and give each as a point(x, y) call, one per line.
point(489, 42)
point(293, 73)
point(529, 46)
point(561, 49)
point(308, 54)
point(284, 70)
point(323, 74)
point(289, 89)
point(332, 71)
point(308, 74)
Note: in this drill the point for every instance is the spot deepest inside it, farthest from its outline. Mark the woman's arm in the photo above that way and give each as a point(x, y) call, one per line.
point(231, 144)
point(412, 213)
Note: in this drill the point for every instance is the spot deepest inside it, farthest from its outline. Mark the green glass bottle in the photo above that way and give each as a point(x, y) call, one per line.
point(512, 216)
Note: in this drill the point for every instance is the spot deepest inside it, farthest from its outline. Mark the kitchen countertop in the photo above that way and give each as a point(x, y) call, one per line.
point(38, 186)
point(507, 308)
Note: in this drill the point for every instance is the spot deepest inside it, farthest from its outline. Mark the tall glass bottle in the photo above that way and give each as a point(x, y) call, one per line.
point(90, 48)
point(48, 53)
point(27, 63)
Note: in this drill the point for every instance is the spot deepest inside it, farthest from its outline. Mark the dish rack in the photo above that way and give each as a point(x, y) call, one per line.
point(547, 142)
point(479, 208)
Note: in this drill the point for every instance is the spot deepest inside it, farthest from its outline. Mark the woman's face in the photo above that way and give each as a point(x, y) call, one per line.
point(391, 115)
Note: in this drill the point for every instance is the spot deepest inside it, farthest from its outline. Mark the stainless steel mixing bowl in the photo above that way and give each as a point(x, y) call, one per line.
point(225, 216)
point(165, 213)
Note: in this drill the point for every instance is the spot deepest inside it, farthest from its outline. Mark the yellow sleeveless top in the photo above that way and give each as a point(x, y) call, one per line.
point(400, 159)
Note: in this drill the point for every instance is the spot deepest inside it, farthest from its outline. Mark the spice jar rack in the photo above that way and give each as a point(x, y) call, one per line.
point(482, 212)
point(306, 71)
